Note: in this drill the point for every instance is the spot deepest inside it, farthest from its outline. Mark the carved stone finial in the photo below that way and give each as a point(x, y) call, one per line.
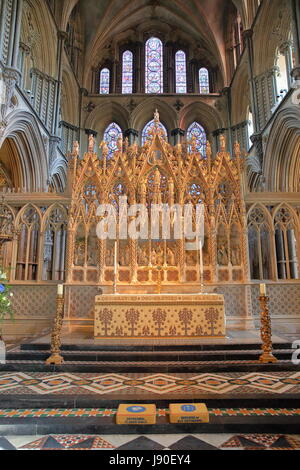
point(104, 147)
point(156, 117)
point(222, 143)
point(91, 143)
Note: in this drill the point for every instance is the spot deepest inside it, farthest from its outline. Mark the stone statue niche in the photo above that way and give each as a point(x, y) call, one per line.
point(124, 254)
point(222, 246)
point(79, 249)
point(92, 247)
point(235, 246)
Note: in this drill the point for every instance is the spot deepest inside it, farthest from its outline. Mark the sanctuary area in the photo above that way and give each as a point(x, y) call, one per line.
point(149, 224)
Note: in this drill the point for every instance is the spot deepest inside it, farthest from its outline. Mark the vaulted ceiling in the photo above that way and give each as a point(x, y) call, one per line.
point(203, 22)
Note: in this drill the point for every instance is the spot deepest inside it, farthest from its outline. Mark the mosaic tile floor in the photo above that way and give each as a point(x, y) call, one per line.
point(174, 442)
point(110, 412)
point(158, 384)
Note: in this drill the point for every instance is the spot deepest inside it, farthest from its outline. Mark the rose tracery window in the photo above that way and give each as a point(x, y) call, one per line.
point(127, 73)
point(180, 67)
point(154, 66)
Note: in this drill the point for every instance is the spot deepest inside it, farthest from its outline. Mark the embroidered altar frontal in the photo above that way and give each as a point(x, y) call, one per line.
point(159, 316)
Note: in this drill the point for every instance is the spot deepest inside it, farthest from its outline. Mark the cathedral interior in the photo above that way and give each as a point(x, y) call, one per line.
point(165, 102)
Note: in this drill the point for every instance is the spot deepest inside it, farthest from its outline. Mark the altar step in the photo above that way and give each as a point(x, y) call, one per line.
point(242, 395)
point(102, 422)
point(164, 358)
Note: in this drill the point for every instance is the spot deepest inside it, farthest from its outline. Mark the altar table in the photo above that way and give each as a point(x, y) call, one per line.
point(159, 316)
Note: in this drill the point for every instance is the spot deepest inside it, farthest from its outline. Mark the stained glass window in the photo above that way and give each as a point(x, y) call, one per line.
point(196, 130)
point(180, 63)
point(104, 81)
point(204, 81)
point(148, 127)
point(111, 135)
point(154, 66)
point(127, 72)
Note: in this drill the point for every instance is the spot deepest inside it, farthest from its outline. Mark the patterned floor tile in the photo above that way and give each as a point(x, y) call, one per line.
point(166, 440)
point(22, 441)
point(191, 443)
point(263, 442)
point(215, 440)
point(175, 442)
point(142, 443)
point(68, 442)
point(158, 384)
point(109, 412)
point(5, 444)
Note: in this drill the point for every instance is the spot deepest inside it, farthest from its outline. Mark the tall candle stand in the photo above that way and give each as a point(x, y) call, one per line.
point(56, 357)
point(266, 331)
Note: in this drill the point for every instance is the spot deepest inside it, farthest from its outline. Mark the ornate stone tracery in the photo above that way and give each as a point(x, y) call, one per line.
point(158, 173)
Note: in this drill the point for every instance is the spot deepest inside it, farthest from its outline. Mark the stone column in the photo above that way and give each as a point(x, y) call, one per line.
point(169, 79)
point(281, 265)
point(272, 85)
point(193, 77)
point(240, 133)
point(286, 50)
point(256, 139)
point(139, 75)
point(15, 32)
point(10, 31)
point(227, 93)
point(61, 37)
point(132, 135)
point(11, 15)
point(14, 256)
point(114, 78)
point(295, 10)
point(40, 256)
point(177, 134)
point(248, 38)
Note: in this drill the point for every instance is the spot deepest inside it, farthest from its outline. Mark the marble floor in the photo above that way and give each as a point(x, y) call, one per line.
point(174, 442)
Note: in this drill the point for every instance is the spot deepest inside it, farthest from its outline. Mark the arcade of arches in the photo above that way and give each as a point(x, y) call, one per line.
point(224, 77)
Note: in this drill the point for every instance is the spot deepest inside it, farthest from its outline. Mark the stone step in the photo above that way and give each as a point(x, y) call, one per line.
point(151, 348)
point(105, 425)
point(91, 401)
point(142, 356)
point(146, 366)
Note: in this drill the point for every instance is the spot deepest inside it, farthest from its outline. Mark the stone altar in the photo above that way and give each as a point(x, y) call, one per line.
point(159, 316)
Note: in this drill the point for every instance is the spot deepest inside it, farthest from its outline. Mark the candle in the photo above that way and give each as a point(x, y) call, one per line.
point(263, 289)
point(201, 262)
point(115, 258)
point(60, 289)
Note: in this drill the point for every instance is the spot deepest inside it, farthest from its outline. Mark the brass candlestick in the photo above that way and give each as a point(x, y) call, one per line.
point(56, 357)
point(266, 331)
